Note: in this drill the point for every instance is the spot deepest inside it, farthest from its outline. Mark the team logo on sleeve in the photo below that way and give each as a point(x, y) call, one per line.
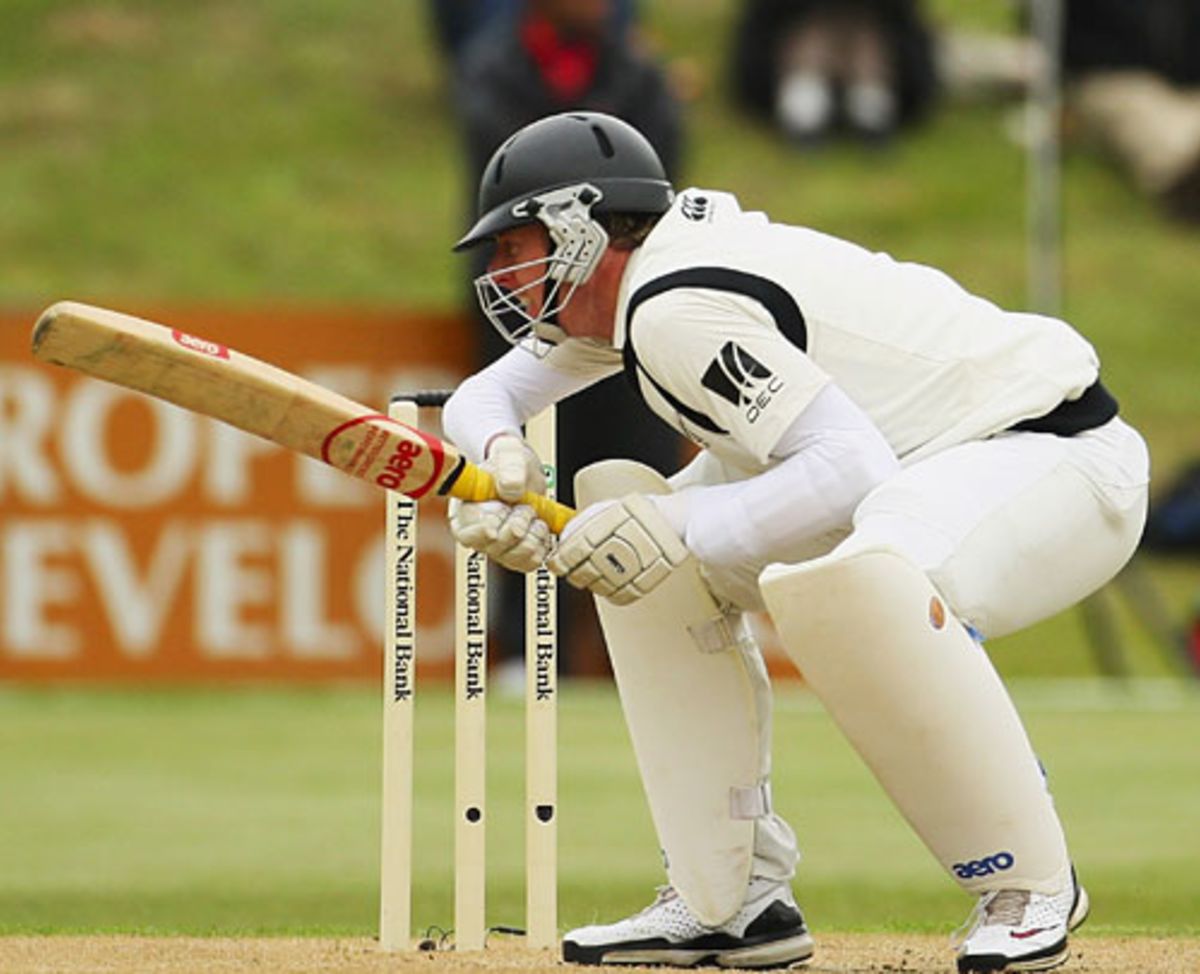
point(739, 378)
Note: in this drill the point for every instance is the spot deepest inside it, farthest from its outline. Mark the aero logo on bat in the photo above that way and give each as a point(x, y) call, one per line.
point(398, 465)
point(201, 345)
point(379, 455)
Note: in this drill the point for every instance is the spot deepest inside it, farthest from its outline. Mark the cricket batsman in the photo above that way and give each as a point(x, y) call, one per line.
point(893, 468)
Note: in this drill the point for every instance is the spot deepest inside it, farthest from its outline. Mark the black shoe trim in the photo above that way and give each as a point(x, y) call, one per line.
point(778, 918)
point(779, 921)
point(981, 963)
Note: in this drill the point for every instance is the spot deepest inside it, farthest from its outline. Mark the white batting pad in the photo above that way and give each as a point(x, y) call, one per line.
point(919, 700)
point(696, 716)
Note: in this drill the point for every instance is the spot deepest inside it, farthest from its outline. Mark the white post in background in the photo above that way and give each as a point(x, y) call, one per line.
point(1045, 254)
point(1044, 113)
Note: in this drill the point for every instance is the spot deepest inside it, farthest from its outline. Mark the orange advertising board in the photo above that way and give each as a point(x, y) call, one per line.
point(142, 542)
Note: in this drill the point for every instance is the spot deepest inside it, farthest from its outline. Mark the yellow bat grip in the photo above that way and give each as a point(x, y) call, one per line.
point(475, 484)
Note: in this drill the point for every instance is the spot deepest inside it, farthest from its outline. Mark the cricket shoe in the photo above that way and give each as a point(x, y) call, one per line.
point(768, 931)
point(1018, 930)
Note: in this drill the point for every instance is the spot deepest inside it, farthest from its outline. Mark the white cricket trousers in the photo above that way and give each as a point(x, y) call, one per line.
point(1017, 527)
point(1011, 529)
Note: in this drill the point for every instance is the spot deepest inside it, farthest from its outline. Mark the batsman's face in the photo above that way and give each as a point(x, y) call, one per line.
point(529, 282)
point(518, 265)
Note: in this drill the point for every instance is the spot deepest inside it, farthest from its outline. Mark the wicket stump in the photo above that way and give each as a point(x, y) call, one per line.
point(470, 666)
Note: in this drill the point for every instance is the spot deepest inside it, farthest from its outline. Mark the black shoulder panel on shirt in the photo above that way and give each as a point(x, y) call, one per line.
point(777, 301)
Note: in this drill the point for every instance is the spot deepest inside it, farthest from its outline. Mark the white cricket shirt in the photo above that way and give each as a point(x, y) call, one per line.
point(733, 324)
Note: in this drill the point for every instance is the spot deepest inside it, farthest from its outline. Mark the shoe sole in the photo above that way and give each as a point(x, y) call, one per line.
point(1052, 957)
point(787, 952)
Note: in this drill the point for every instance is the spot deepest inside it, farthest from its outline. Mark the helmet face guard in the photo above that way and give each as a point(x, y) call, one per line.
point(577, 243)
point(561, 171)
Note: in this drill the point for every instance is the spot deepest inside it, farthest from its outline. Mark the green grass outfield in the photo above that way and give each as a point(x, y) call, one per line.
point(257, 811)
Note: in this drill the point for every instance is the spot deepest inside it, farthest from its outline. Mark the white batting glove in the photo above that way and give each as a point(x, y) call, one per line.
point(514, 537)
point(515, 467)
point(618, 549)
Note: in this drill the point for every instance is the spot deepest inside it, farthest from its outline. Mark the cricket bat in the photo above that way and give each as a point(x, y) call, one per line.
point(215, 380)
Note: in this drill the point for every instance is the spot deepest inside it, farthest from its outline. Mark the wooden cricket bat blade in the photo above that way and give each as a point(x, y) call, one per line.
point(215, 380)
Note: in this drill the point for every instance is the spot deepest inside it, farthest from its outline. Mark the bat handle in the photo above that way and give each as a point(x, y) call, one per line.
point(475, 484)
point(549, 510)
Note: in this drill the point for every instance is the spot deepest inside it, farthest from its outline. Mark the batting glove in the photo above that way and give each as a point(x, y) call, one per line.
point(515, 468)
point(618, 549)
point(514, 537)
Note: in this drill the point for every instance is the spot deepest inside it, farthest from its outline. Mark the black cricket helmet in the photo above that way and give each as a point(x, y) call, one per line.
point(565, 150)
point(562, 172)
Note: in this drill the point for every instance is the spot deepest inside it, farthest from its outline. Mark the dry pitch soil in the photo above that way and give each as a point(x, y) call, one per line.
point(836, 954)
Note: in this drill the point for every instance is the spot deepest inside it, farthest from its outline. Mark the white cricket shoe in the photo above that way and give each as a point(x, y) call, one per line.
point(768, 931)
point(1016, 930)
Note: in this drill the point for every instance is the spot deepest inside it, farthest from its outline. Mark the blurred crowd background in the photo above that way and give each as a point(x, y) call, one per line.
point(307, 155)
